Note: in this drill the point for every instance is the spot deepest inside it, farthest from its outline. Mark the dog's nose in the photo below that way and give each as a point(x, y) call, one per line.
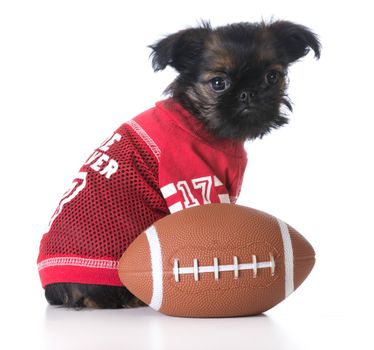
point(246, 96)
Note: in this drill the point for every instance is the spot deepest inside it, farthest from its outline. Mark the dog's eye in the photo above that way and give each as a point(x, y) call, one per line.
point(272, 77)
point(219, 84)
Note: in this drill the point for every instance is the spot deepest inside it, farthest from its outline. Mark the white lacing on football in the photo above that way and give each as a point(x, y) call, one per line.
point(216, 268)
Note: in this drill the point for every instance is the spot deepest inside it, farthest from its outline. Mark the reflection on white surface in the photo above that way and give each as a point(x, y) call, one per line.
point(146, 329)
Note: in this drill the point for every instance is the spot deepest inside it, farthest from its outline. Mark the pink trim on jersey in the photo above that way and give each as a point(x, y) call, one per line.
point(146, 138)
point(75, 261)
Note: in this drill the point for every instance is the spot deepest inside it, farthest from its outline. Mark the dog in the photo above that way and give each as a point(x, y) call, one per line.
point(186, 151)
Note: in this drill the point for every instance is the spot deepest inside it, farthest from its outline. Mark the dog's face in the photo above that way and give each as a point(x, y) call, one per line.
point(233, 78)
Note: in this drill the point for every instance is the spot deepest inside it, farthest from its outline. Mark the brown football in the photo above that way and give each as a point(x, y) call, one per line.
point(217, 260)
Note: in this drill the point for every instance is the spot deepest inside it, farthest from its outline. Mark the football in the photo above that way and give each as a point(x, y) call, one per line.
point(216, 260)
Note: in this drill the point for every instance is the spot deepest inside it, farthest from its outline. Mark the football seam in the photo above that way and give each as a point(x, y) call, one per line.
point(216, 268)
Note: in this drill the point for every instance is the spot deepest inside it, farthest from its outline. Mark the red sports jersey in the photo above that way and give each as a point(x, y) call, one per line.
point(160, 162)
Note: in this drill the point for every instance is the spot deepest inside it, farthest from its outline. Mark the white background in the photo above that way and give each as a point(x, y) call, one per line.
point(72, 71)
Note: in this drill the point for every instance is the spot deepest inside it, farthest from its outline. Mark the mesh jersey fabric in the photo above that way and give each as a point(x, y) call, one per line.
point(158, 163)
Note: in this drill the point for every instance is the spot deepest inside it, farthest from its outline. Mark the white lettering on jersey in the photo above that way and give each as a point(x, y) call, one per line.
point(189, 199)
point(205, 185)
point(201, 187)
point(97, 166)
point(77, 186)
point(100, 162)
point(110, 168)
point(109, 142)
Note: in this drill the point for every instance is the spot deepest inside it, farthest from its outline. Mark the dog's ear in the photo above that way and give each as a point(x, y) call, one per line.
point(295, 40)
point(181, 50)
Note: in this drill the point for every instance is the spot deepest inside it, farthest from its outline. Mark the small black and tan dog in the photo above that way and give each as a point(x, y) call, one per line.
point(231, 78)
